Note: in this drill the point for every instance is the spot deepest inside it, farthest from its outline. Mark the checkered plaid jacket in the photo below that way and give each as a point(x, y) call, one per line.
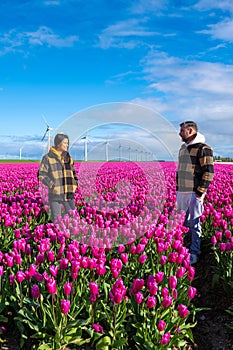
point(195, 168)
point(58, 174)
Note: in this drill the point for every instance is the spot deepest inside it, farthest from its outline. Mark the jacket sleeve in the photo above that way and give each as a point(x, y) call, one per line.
point(73, 170)
point(207, 166)
point(43, 174)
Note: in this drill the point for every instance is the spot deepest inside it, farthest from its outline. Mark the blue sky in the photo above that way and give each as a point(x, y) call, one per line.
point(58, 57)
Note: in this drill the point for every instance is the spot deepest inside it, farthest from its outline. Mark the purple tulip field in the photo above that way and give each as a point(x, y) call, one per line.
point(115, 273)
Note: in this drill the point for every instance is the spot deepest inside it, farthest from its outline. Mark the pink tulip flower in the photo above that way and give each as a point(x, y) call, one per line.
point(51, 256)
point(138, 297)
point(124, 258)
point(183, 311)
point(161, 325)
point(121, 248)
point(142, 259)
point(151, 301)
point(38, 276)
point(35, 291)
point(100, 269)
point(94, 288)
point(165, 338)
point(20, 276)
point(65, 306)
point(98, 328)
point(159, 277)
point(191, 273)
point(180, 272)
point(64, 263)
point(172, 282)
point(164, 292)
point(67, 288)
point(138, 284)
point(163, 259)
point(167, 301)
point(51, 286)
point(53, 270)
point(191, 292)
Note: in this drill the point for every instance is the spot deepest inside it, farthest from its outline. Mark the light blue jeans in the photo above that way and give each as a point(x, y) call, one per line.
point(56, 207)
point(193, 207)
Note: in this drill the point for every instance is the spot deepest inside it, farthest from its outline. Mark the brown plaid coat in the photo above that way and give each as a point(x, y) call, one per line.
point(58, 174)
point(195, 168)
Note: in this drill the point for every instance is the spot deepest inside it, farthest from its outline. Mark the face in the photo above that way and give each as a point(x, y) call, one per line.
point(63, 146)
point(185, 133)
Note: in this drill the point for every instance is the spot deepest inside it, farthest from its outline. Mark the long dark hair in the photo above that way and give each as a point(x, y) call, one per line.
point(57, 140)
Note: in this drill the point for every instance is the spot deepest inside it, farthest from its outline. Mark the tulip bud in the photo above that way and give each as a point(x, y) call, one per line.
point(65, 306)
point(51, 286)
point(35, 291)
point(98, 328)
point(138, 297)
point(151, 301)
point(191, 292)
point(20, 276)
point(172, 282)
point(67, 288)
point(167, 301)
point(161, 325)
point(93, 288)
point(183, 311)
point(165, 338)
point(142, 259)
point(159, 277)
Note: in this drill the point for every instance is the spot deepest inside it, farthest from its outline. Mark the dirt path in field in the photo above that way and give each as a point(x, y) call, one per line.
point(211, 332)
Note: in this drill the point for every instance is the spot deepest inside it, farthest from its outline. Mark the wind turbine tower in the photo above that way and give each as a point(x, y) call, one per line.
point(20, 153)
point(85, 146)
point(106, 150)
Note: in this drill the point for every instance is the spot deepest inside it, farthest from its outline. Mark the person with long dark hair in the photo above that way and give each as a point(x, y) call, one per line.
point(57, 172)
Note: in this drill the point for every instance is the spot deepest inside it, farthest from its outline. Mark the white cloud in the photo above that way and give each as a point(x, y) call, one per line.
point(148, 6)
point(125, 34)
point(179, 76)
point(222, 30)
point(224, 5)
point(14, 41)
point(45, 36)
point(31, 147)
point(121, 78)
point(52, 2)
point(154, 103)
point(217, 47)
point(10, 42)
point(203, 91)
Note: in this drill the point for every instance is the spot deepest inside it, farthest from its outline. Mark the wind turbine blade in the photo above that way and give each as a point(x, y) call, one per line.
point(44, 135)
point(45, 121)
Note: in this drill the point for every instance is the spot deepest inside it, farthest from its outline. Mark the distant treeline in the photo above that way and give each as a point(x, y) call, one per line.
point(223, 159)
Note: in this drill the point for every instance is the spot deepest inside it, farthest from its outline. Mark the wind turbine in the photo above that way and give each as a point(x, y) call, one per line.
point(20, 153)
point(47, 131)
point(129, 151)
point(120, 152)
point(106, 150)
point(85, 146)
point(136, 154)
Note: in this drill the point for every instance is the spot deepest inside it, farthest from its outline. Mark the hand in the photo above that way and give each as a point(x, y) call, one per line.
point(54, 190)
